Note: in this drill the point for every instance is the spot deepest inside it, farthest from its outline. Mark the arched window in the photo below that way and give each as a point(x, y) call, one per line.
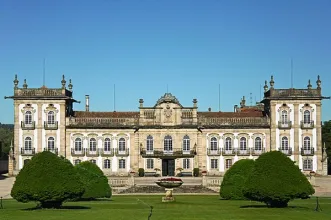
point(51, 118)
point(213, 143)
point(51, 144)
point(284, 117)
point(284, 143)
point(93, 144)
point(121, 144)
point(167, 145)
point(149, 143)
point(28, 117)
point(106, 164)
point(228, 143)
point(306, 117)
point(258, 144)
point(107, 145)
point(93, 161)
point(243, 143)
point(186, 143)
point(28, 144)
point(306, 143)
point(78, 144)
point(77, 161)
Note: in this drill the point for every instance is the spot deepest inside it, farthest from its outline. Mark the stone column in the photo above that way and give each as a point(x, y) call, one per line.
point(296, 127)
point(273, 127)
point(39, 128)
point(199, 155)
point(62, 127)
point(318, 150)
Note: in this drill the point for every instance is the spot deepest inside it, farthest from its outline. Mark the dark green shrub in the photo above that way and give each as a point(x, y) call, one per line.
point(47, 179)
point(275, 180)
point(196, 172)
point(235, 178)
point(141, 172)
point(94, 181)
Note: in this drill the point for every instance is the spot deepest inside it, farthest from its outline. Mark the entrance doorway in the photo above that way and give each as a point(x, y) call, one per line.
point(168, 167)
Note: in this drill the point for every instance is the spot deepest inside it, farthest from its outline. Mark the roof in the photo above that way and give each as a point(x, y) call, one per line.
point(84, 114)
point(245, 113)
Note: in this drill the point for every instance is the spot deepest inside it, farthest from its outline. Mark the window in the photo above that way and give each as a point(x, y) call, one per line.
point(284, 119)
point(306, 117)
point(306, 143)
point(77, 161)
point(228, 143)
point(284, 143)
point(186, 163)
point(243, 143)
point(51, 118)
point(167, 143)
point(186, 143)
point(106, 164)
point(228, 163)
point(51, 144)
point(307, 164)
point(214, 163)
point(121, 164)
point(107, 145)
point(93, 144)
point(93, 161)
point(149, 143)
point(258, 144)
point(213, 143)
point(78, 144)
point(28, 143)
point(121, 144)
point(28, 117)
point(150, 163)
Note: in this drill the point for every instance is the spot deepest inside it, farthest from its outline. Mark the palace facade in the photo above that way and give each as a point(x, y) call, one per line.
point(167, 137)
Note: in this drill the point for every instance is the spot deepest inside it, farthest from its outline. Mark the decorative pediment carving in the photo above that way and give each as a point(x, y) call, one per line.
point(28, 107)
point(51, 107)
point(167, 98)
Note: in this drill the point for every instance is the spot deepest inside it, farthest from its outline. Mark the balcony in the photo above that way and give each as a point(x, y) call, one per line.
point(231, 152)
point(285, 125)
point(28, 152)
point(92, 153)
point(78, 152)
point(246, 152)
point(258, 152)
point(213, 152)
point(307, 125)
point(122, 153)
point(53, 150)
point(51, 126)
point(161, 153)
point(106, 153)
point(287, 152)
point(307, 152)
point(28, 126)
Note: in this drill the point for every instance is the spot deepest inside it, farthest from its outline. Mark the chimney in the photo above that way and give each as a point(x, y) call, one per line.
point(141, 103)
point(209, 109)
point(87, 103)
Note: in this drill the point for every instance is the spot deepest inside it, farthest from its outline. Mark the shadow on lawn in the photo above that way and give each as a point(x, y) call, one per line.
point(265, 206)
point(65, 207)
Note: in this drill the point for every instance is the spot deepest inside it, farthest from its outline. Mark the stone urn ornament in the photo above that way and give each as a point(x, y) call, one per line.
point(169, 184)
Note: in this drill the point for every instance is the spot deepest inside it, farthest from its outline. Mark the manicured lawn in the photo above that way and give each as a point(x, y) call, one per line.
point(186, 207)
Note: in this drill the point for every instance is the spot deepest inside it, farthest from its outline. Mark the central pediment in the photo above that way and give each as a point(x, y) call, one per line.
point(167, 98)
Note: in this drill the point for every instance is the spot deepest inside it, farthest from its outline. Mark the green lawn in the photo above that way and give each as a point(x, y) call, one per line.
point(186, 207)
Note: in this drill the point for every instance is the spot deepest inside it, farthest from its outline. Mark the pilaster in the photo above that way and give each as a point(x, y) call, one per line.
point(296, 127)
point(319, 147)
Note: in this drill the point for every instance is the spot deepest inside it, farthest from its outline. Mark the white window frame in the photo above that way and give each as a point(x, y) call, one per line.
point(150, 163)
point(186, 163)
point(228, 163)
point(167, 144)
point(78, 145)
point(93, 145)
point(213, 163)
point(149, 143)
point(258, 144)
point(186, 143)
point(107, 164)
point(51, 144)
point(107, 145)
point(121, 144)
point(307, 164)
point(213, 144)
point(121, 164)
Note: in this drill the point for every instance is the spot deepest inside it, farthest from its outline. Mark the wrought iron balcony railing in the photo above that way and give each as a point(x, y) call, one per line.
point(106, 152)
point(287, 152)
point(28, 126)
point(307, 125)
point(256, 152)
point(160, 153)
point(92, 152)
point(229, 152)
point(123, 153)
point(53, 150)
point(51, 126)
point(80, 152)
point(307, 151)
point(213, 152)
point(28, 151)
point(285, 124)
point(245, 152)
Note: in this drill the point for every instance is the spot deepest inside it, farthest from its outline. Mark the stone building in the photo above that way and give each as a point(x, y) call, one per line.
point(168, 137)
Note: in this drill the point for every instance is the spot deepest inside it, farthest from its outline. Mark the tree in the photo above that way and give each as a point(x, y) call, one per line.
point(6, 136)
point(94, 181)
point(235, 178)
point(326, 138)
point(275, 180)
point(47, 179)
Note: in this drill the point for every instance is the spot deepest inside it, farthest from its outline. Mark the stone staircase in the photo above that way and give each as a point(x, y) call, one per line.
point(191, 189)
point(6, 183)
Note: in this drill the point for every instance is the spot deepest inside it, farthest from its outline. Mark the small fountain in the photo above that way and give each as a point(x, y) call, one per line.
point(169, 184)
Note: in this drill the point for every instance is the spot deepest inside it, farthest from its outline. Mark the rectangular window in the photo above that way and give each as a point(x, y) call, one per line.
point(214, 163)
point(308, 164)
point(228, 163)
point(121, 164)
point(150, 163)
point(186, 163)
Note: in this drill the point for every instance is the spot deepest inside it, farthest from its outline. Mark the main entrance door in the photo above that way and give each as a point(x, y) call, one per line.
point(168, 167)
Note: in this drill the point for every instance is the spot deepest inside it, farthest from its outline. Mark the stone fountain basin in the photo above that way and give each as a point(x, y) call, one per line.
point(169, 184)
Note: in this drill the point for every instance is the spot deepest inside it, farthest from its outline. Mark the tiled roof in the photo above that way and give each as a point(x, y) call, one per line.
point(250, 113)
point(84, 114)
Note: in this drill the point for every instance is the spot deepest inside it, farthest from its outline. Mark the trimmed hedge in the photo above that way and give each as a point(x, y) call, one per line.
point(275, 180)
point(235, 178)
point(47, 179)
point(94, 181)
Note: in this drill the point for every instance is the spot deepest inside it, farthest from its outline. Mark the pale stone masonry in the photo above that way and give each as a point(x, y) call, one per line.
point(167, 137)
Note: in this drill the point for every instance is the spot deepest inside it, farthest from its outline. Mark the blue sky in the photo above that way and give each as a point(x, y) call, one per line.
point(144, 45)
